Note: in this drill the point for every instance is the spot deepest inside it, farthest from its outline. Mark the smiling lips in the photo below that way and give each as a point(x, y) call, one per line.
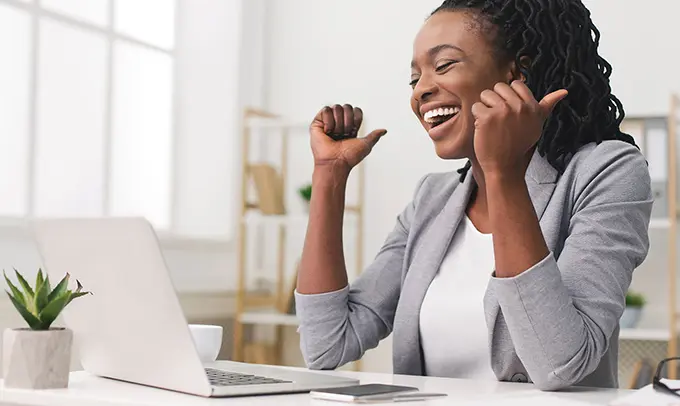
point(439, 115)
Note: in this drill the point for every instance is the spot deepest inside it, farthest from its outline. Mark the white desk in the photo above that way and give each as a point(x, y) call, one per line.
point(92, 391)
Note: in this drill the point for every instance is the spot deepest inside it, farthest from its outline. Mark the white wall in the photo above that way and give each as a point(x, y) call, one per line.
point(640, 40)
point(207, 115)
point(212, 89)
point(359, 52)
point(323, 53)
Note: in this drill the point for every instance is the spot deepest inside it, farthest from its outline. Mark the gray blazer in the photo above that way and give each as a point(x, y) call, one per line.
point(556, 324)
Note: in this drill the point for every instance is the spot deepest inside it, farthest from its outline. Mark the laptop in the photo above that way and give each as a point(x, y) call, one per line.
point(132, 327)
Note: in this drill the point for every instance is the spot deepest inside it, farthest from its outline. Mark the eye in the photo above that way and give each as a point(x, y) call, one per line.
point(413, 82)
point(443, 66)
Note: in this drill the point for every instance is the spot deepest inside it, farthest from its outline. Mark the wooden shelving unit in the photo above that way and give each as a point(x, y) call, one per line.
point(673, 123)
point(651, 345)
point(268, 308)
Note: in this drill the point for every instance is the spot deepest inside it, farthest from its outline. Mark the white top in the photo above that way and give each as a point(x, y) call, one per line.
point(453, 330)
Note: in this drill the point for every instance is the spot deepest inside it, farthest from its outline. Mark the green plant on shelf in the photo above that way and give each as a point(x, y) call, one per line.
point(40, 305)
point(305, 192)
point(634, 299)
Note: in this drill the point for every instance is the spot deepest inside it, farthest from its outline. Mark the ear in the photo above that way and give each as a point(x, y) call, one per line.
point(517, 72)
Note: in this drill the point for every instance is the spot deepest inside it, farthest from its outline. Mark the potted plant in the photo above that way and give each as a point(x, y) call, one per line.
point(305, 193)
point(38, 357)
point(631, 314)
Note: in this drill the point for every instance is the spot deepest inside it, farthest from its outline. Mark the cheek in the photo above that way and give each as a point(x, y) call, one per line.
point(414, 106)
point(468, 86)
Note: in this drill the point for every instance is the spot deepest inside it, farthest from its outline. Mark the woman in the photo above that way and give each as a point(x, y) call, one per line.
point(516, 267)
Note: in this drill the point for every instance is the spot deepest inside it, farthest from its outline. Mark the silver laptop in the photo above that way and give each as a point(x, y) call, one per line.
point(132, 328)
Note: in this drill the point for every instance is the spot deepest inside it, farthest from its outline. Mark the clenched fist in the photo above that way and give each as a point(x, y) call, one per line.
point(334, 137)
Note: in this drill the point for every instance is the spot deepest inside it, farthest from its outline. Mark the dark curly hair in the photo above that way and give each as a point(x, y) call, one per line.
point(554, 45)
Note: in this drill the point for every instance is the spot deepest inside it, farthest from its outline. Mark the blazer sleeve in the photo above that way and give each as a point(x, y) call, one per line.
point(561, 313)
point(338, 327)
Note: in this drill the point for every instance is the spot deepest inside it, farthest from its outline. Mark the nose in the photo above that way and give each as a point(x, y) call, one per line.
point(425, 89)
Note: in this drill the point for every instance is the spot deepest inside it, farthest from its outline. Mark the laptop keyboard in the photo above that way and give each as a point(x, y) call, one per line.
point(225, 378)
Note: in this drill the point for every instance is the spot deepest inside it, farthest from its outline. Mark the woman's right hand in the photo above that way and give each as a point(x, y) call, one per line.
point(334, 137)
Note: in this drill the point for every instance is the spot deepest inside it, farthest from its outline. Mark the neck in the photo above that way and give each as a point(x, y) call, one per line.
point(478, 198)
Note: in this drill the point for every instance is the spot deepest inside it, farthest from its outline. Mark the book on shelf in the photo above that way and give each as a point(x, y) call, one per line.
point(269, 189)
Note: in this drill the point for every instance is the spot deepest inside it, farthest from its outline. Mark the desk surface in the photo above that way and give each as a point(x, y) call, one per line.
point(87, 390)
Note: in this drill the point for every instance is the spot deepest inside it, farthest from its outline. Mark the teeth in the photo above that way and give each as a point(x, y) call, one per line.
point(442, 111)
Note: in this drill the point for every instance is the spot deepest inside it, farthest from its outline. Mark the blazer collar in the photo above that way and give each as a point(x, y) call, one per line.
point(540, 170)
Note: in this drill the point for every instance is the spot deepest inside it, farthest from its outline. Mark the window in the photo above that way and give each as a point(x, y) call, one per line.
point(121, 107)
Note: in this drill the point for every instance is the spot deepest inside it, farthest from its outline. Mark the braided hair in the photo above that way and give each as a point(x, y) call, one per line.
point(560, 41)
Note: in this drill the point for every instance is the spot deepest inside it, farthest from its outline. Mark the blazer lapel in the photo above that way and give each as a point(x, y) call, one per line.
point(540, 179)
point(422, 271)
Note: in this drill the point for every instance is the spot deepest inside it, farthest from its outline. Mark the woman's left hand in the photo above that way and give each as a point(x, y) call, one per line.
point(508, 123)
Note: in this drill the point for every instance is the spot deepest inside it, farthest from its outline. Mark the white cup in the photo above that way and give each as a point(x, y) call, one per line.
point(208, 341)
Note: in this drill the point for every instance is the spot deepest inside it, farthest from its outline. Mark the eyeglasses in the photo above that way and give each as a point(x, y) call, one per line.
point(656, 381)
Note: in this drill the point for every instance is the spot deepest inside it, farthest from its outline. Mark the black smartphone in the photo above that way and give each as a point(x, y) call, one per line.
point(359, 392)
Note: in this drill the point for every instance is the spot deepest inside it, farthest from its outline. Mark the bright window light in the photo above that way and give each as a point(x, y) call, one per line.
point(151, 21)
point(69, 162)
point(91, 11)
point(15, 70)
point(141, 141)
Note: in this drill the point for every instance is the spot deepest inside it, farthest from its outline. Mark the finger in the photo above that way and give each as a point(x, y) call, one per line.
point(339, 117)
point(328, 120)
point(523, 91)
point(549, 102)
point(348, 113)
point(479, 110)
point(511, 98)
point(491, 98)
point(358, 118)
point(374, 136)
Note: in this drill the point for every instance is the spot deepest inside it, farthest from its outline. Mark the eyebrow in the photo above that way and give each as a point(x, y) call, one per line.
point(437, 49)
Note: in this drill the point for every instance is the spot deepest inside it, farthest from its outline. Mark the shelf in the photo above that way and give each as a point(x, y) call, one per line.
point(275, 219)
point(660, 223)
point(642, 334)
point(270, 317)
point(255, 217)
point(275, 123)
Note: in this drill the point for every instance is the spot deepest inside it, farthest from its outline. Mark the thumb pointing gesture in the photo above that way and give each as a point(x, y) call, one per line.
point(369, 142)
point(373, 137)
point(334, 136)
point(549, 102)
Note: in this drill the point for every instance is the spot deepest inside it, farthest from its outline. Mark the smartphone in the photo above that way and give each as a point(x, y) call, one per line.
point(359, 393)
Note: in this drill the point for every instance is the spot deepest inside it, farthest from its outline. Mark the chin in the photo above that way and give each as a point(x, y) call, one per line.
point(445, 152)
point(454, 147)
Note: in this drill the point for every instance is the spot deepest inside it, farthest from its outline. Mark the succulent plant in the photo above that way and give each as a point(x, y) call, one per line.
point(634, 299)
point(41, 305)
point(306, 192)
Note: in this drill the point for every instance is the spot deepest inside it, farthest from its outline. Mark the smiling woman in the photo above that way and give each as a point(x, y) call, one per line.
point(519, 271)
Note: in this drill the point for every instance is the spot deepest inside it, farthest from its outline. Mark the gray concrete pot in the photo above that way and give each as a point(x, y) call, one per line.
point(36, 359)
point(631, 317)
